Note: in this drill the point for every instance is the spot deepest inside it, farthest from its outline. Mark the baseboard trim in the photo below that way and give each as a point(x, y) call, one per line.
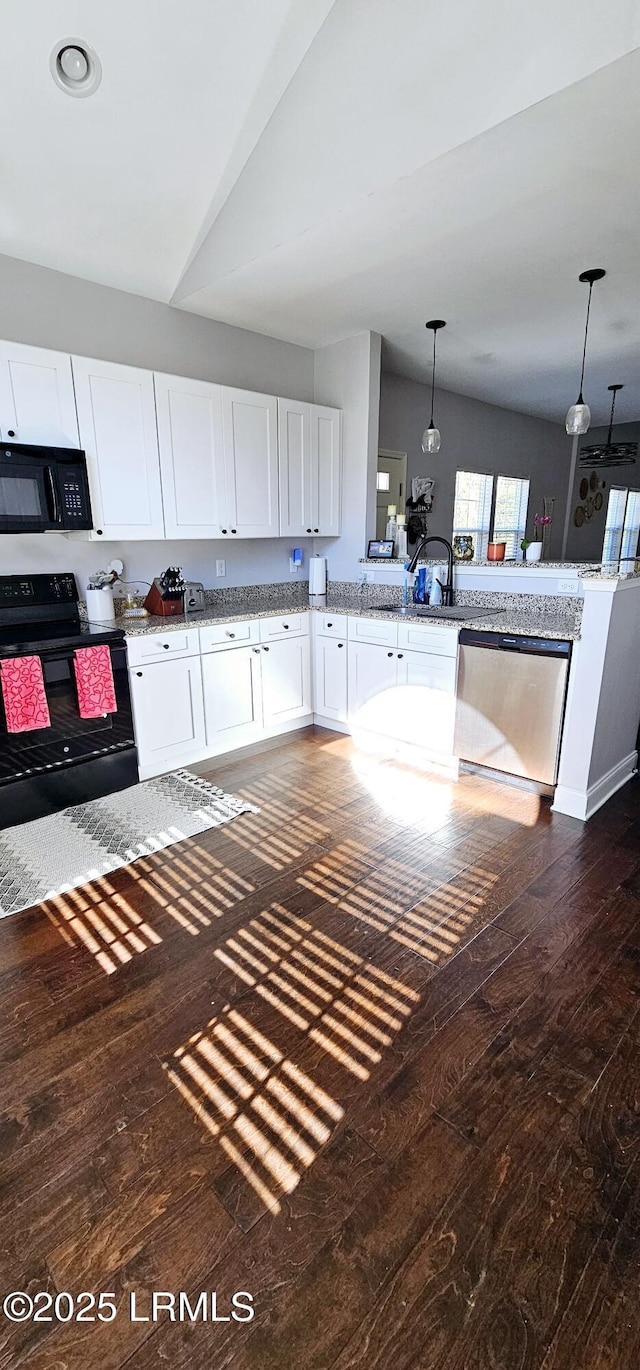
point(584, 803)
point(331, 723)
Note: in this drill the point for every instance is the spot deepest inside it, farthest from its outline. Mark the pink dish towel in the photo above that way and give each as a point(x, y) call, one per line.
point(24, 695)
point(94, 679)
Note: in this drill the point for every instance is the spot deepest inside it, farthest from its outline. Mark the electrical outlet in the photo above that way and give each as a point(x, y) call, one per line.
point(221, 567)
point(567, 587)
point(369, 577)
point(293, 566)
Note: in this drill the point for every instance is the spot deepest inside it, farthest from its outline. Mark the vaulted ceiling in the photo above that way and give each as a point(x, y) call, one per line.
point(309, 169)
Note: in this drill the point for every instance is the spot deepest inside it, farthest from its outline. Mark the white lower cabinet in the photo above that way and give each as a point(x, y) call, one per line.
point(232, 696)
point(408, 696)
point(330, 678)
point(286, 681)
point(168, 713)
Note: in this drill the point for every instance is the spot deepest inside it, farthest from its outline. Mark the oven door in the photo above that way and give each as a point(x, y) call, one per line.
point(70, 738)
point(28, 496)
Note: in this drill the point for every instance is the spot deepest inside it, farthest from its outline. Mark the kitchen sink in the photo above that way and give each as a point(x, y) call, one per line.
point(441, 611)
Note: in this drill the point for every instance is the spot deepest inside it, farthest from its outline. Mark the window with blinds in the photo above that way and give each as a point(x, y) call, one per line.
point(510, 515)
point(622, 527)
point(472, 509)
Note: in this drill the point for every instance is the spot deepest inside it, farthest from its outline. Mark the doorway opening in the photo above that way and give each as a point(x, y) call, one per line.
point(391, 486)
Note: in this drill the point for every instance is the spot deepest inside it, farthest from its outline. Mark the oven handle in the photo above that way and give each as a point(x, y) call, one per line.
point(53, 495)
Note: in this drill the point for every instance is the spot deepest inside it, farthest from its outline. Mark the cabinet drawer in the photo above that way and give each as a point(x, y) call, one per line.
point(296, 625)
point(162, 646)
point(376, 630)
point(220, 635)
point(428, 637)
point(332, 625)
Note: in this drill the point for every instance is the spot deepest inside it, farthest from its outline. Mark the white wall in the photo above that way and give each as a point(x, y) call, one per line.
point(475, 437)
point(50, 309)
point(347, 374)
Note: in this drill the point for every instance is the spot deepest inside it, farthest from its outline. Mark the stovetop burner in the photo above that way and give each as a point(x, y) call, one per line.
point(38, 637)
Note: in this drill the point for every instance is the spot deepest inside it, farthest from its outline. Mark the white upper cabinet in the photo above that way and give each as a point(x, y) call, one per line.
point(191, 455)
point(309, 441)
point(326, 458)
point(37, 402)
point(295, 467)
point(250, 425)
point(117, 422)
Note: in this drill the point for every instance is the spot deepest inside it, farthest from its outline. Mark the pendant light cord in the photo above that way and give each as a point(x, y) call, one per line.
point(613, 405)
point(433, 377)
point(584, 350)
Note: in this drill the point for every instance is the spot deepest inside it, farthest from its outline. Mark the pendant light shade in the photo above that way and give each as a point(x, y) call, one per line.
point(579, 414)
point(431, 439)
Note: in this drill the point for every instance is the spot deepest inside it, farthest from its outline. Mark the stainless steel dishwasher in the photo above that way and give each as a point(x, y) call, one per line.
point(510, 703)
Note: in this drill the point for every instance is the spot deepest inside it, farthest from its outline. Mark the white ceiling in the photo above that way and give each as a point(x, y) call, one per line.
point(311, 168)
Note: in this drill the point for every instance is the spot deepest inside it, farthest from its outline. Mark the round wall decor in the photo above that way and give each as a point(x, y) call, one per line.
point(578, 517)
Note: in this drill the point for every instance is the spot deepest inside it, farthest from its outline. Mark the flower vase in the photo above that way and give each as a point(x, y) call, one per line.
point(534, 551)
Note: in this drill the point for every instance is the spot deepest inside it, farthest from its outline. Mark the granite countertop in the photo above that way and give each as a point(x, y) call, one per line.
point(550, 625)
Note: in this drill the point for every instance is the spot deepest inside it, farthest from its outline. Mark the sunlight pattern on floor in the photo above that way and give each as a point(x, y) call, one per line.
point(269, 1117)
point(183, 884)
point(278, 847)
point(347, 1006)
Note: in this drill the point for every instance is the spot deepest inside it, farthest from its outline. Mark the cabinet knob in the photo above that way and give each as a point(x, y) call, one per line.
point(11, 432)
point(309, 530)
point(265, 649)
point(166, 646)
point(316, 530)
point(329, 625)
point(341, 644)
point(230, 634)
point(400, 656)
point(223, 530)
point(138, 672)
point(234, 530)
point(389, 653)
point(256, 650)
point(99, 532)
point(286, 626)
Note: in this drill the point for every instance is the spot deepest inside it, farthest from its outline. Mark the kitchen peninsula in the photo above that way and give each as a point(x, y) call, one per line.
point(358, 664)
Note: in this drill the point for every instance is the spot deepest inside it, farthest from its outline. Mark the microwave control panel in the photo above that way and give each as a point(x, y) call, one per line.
point(73, 498)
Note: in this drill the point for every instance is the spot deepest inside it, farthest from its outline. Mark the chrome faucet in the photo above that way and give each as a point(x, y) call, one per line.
point(447, 590)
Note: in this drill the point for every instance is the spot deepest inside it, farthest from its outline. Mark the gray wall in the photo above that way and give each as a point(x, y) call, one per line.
point(586, 542)
point(50, 309)
point(475, 437)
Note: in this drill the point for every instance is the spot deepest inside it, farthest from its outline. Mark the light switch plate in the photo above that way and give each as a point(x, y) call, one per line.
point(221, 567)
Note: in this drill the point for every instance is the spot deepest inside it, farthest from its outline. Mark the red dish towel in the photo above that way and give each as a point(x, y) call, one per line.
point(25, 700)
point(94, 679)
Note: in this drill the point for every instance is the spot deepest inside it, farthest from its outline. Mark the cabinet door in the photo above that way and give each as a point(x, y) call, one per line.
point(191, 455)
point(37, 401)
point(250, 423)
point(117, 421)
point(326, 436)
point(374, 696)
point(297, 472)
point(232, 696)
point(330, 678)
point(286, 680)
point(168, 712)
point(427, 694)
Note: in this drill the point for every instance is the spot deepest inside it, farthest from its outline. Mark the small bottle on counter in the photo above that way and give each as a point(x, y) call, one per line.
point(401, 536)
point(392, 524)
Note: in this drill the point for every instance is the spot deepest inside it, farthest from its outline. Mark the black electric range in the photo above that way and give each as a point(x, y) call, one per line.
point(74, 759)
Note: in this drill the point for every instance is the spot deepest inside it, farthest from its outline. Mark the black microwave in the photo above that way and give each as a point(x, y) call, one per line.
point(43, 489)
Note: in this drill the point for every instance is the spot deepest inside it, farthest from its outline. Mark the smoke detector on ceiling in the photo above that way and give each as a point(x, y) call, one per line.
point(75, 67)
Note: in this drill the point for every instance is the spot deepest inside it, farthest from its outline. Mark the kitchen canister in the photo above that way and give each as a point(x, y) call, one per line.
point(100, 605)
point(317, 579)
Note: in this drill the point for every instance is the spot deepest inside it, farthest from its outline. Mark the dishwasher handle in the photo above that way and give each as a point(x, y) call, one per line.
point(514, 642)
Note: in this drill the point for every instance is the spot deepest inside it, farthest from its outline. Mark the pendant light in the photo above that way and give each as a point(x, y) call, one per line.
point(431, 437)
point(579, 414)
point(610, 453)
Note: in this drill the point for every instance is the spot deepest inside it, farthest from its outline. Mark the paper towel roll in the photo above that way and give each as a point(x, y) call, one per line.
point(317, 576)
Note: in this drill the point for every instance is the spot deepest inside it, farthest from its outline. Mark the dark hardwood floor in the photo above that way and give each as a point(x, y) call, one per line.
point(372, 1055)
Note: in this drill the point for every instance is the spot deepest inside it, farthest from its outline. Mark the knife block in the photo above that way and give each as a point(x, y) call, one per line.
point(155, 603)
